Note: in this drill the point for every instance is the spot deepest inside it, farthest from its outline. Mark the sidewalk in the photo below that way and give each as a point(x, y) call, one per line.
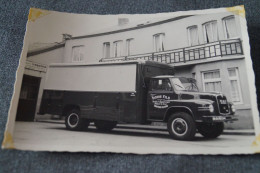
point(160, 127)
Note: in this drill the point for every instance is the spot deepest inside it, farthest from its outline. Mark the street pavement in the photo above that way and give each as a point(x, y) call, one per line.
point(125, 138)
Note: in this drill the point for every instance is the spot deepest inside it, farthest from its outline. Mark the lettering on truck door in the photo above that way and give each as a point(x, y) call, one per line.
point(159, 97)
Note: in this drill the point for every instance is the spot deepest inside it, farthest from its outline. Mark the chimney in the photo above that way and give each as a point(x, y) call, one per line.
point(123, 21)
point(66, 37)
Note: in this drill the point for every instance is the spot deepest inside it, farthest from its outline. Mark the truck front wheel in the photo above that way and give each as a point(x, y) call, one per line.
point(74, 122)
point(105, 125)
point(211, 131)
point(181, 126)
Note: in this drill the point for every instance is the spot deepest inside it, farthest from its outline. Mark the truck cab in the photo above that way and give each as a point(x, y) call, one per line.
point(177, 101)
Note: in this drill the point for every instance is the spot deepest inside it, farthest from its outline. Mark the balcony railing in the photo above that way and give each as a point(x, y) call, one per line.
point(187, 54)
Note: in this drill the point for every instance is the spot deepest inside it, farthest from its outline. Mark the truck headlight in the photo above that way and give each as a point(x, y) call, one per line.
point(211, 108)
point(233, 109)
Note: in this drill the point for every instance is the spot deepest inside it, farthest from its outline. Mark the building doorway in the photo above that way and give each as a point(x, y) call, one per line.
point(28, 98)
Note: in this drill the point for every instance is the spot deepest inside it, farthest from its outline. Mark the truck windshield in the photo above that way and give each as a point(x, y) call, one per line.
point(184, 84)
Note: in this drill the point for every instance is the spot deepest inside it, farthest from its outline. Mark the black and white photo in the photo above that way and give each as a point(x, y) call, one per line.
point(178, 83)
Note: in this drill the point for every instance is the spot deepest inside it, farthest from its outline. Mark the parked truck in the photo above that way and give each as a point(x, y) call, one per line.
point(139, 92)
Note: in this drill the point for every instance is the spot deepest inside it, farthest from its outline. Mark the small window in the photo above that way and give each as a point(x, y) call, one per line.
point(118, 48)
point(129, 45)
point(106, 50)
point(77, 53)
point(210, 31)
point(193, 75)
point(158, 40)
point(236, 95)
point(160, 85)
point(193, 37)
point(230, 28)
point(212, 81)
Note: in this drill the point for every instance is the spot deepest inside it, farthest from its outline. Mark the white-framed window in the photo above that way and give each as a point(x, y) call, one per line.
point(77, 53)
point(158, 40)
point(211, 81)
point(129, 44)
point(193, 36)
point(118, 48)
point(106, 50)
point(236, 95)
point(230, 28)
point(210, 31)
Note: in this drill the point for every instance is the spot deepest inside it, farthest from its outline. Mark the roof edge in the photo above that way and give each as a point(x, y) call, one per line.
point(45, 50)
point(132, 28)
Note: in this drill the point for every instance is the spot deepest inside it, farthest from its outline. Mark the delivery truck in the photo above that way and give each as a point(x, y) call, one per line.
point(138, 92)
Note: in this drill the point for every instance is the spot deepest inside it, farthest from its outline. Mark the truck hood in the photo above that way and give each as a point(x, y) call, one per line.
point(186, 95)
point(218, 100)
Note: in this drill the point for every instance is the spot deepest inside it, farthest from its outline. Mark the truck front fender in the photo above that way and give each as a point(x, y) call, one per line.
point(174, 109)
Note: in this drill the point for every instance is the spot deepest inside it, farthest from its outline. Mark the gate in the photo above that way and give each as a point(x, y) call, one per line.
point(28, 98)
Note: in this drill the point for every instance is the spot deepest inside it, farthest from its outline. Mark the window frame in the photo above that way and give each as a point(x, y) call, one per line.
point(159, 90)
point(204, 30)
point(225, 28)
point(161, 42)
point(238, 82)
point(105, 45)
point(128, 44)
point(80, 51)
point(189, 35)
point(120, 48)
point(210, 80)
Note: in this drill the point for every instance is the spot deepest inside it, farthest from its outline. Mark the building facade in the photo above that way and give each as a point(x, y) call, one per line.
point(34, 78)
point(207, 48)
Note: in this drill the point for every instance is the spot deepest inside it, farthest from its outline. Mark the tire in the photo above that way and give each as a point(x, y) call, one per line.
point(105, 125)
point(181, 126)
point(211, 131)
point(74, 122)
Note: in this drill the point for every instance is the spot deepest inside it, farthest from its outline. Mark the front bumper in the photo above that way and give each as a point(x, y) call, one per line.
point(218, 118)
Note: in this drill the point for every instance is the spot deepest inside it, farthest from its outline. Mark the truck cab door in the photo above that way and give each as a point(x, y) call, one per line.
point(159, 97)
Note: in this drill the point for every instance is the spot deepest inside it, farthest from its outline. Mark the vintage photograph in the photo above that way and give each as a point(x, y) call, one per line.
point(178, 83)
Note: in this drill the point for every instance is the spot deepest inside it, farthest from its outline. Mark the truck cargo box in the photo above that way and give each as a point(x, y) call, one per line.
point(110, 91)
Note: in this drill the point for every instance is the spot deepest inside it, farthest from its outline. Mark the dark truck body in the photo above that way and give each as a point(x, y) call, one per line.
point(127, 96)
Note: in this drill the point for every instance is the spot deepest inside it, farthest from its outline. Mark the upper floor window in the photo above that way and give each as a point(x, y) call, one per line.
point(106, 50)
point(77, 53)
point(229, 25)
point(210, 31)
point(193, 37)
point(118, 48)
point(129, 44)
point(158, 40)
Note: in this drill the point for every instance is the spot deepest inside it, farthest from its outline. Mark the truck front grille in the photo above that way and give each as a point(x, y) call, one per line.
point(222, 104)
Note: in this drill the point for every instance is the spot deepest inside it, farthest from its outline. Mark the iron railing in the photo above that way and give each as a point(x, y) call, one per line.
point(187, 54)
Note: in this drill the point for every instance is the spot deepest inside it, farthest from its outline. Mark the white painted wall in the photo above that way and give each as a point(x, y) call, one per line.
point(175, 37)
point(54, 56)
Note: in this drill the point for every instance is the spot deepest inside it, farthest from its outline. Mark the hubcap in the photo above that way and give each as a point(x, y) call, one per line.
point(179, 127)
point(73, 120)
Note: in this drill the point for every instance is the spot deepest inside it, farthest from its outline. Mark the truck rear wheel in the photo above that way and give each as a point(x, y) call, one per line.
point(74, 122)
point(181, 126)
point(211, 131)
point(105, 125)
